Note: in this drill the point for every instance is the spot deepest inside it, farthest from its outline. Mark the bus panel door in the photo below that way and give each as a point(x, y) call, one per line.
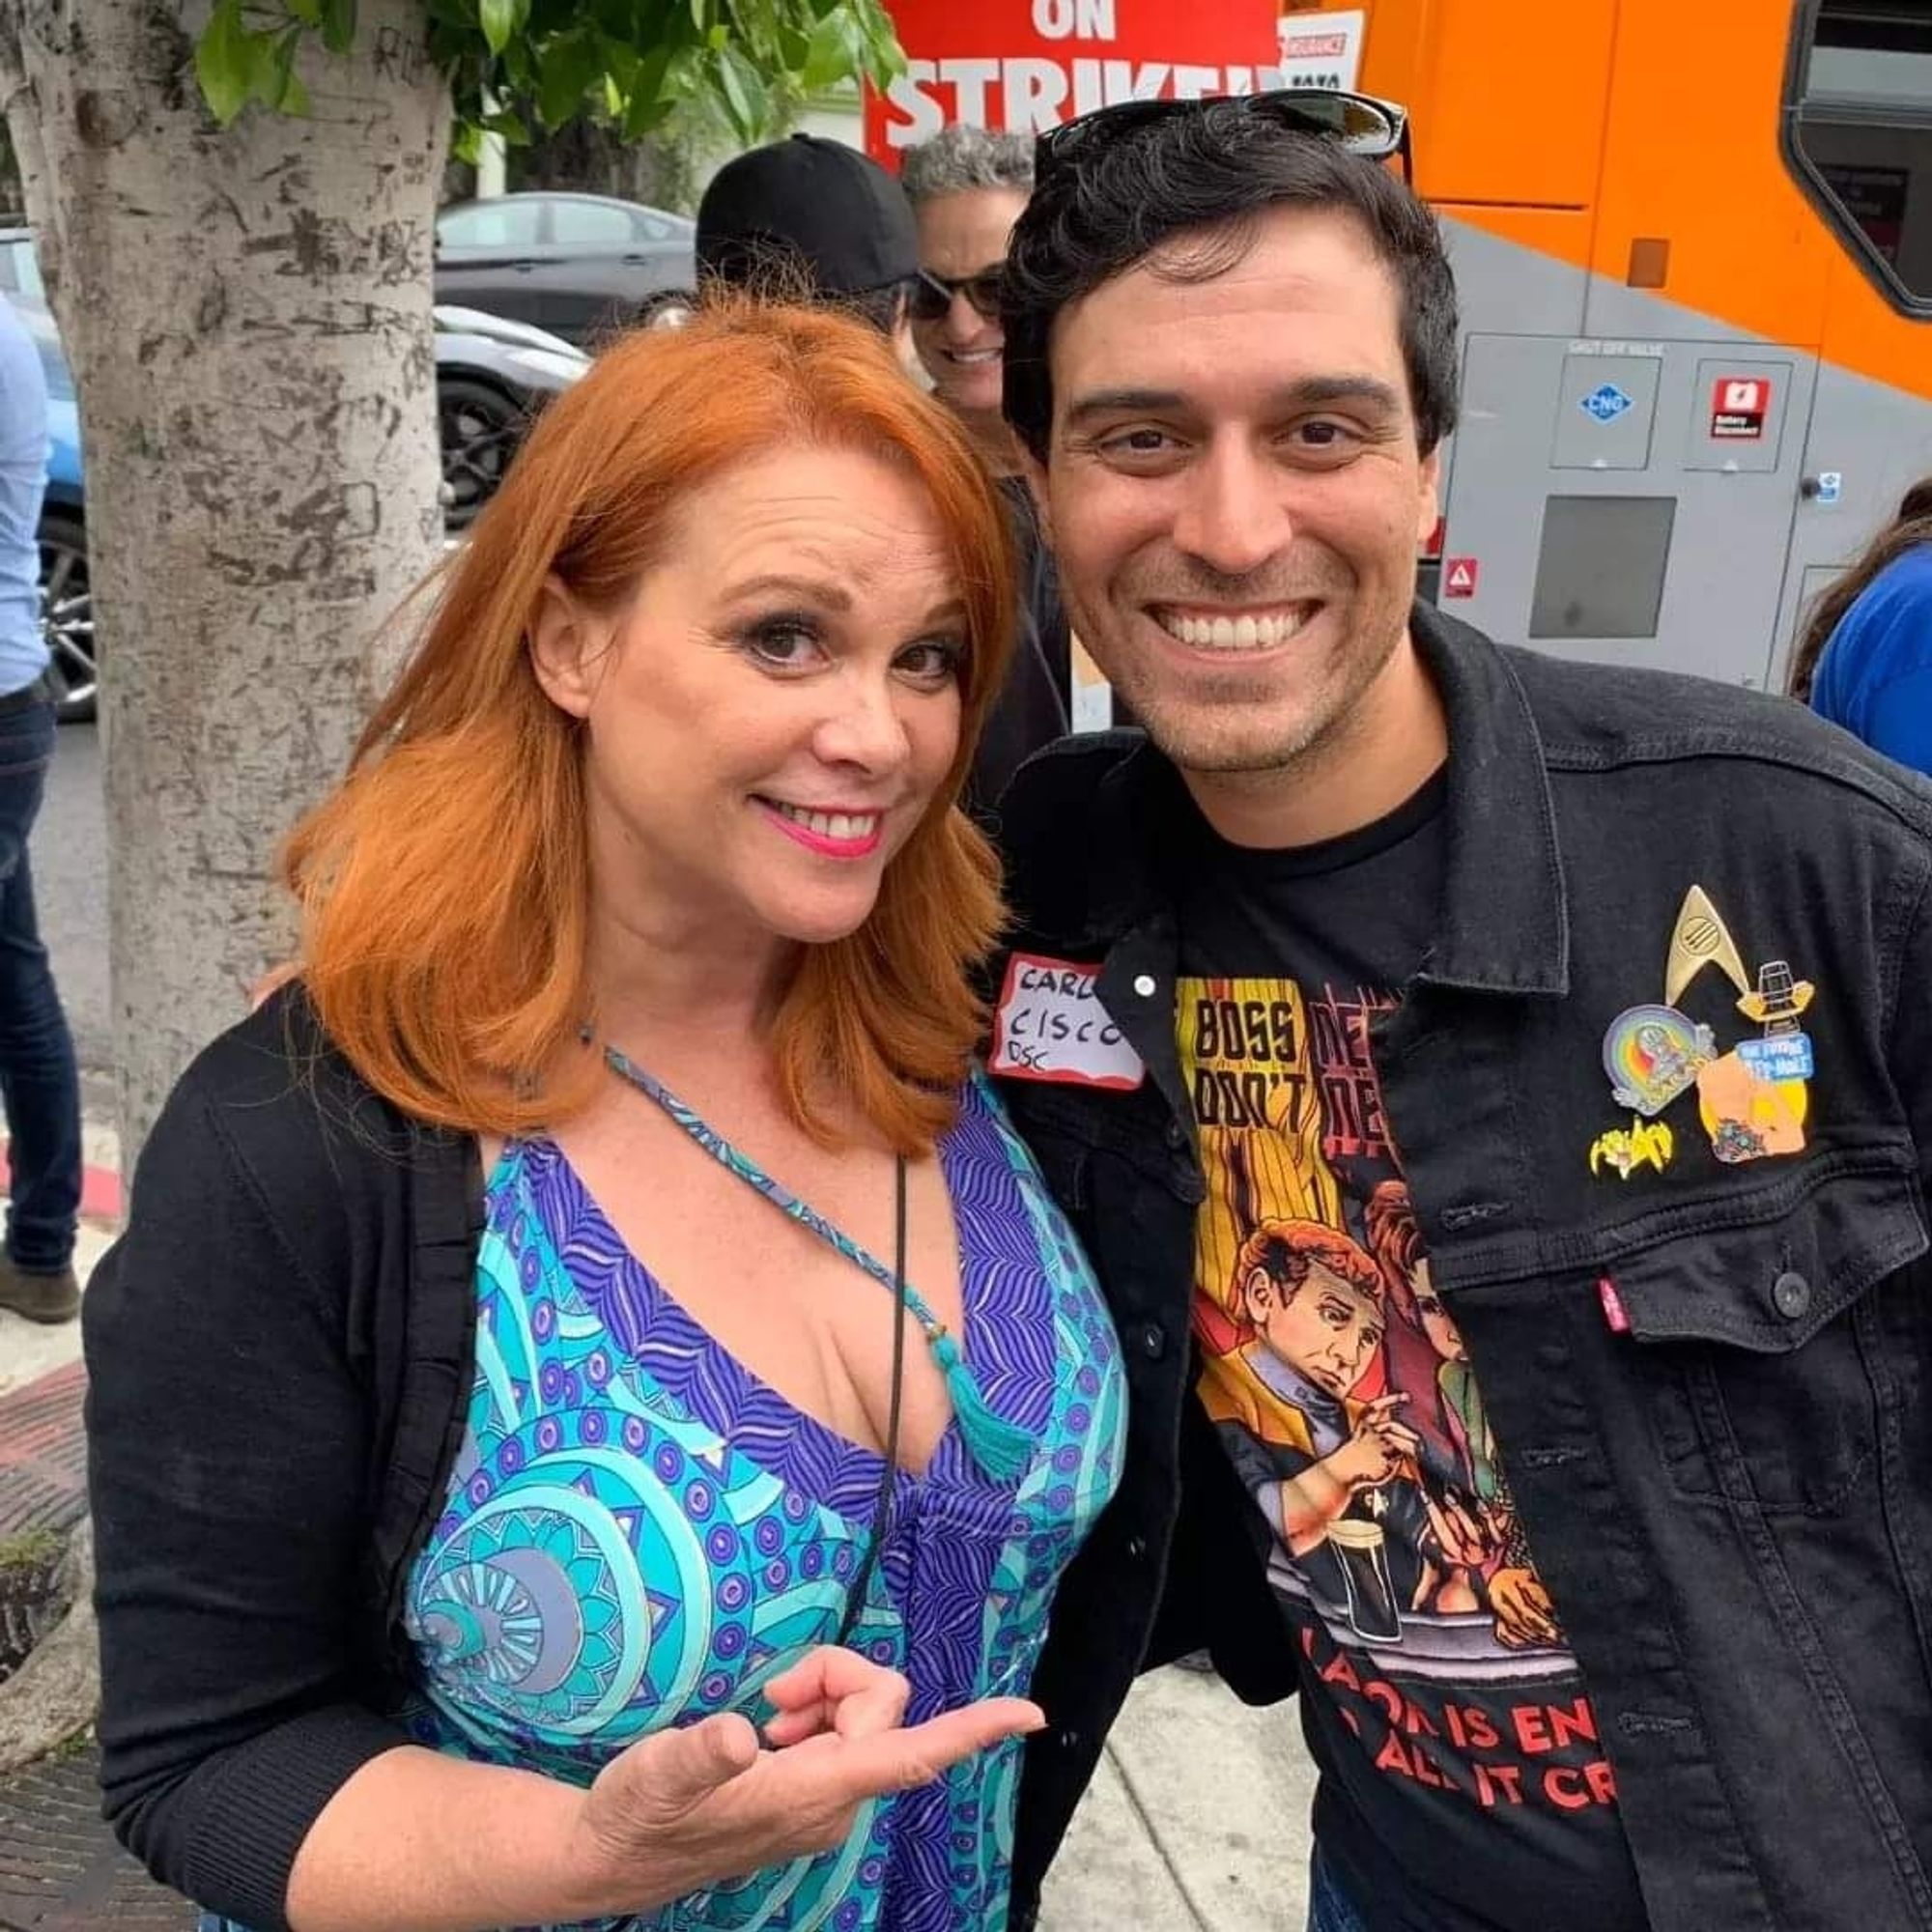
point(1627, 502)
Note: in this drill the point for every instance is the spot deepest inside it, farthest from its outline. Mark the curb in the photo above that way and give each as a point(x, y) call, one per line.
point(53, 1696)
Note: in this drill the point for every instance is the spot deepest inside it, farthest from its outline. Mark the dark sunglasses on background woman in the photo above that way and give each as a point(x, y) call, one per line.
point(933, 295)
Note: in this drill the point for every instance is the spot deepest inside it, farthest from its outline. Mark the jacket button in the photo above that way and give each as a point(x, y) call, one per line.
point(1153, 1341)
point(1136, 1548)
point(1145, 985)
point(1177, 1135)
point(1791, 1295)
point(1069, 1739)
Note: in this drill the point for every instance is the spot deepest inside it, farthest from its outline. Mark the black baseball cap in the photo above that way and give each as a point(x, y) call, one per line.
point(817, 203)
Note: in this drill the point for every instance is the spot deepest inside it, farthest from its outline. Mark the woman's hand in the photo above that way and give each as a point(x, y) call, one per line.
point(685, 1809)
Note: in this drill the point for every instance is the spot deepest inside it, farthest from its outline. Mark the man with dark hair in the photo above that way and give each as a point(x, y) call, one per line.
point(1622, 975)
point(810, 214)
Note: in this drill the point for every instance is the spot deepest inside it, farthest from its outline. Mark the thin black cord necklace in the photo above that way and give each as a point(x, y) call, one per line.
point(882, 1510)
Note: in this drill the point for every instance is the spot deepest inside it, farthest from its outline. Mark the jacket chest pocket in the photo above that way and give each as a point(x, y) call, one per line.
point(1774, 1346)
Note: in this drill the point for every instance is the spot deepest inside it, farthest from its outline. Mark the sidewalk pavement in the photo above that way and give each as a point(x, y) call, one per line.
point(1196, 1822)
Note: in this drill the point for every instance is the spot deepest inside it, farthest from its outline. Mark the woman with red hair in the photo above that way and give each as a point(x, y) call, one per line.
point(504, 1515)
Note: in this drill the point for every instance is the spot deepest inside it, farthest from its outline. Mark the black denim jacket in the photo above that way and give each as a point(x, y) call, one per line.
point(1724, 1458)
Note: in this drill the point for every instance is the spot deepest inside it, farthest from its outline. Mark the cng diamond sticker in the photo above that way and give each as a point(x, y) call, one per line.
point(1607, 403)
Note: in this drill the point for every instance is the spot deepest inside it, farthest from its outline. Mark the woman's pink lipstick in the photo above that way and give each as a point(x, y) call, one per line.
point(824, 842)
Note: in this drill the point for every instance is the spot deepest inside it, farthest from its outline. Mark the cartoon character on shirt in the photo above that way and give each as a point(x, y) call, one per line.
point(1315, 1435)
point(1314, 1301)
point(1476, 1523)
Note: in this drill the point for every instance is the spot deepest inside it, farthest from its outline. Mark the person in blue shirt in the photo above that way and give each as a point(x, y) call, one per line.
point(38, 1084)
point(1865, 659)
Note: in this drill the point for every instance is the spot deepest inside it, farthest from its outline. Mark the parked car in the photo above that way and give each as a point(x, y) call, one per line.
point(578, 265)
point(492, 375)
point(66, 606)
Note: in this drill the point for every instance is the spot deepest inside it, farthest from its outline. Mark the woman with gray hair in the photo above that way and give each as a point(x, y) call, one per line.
point(967, 187)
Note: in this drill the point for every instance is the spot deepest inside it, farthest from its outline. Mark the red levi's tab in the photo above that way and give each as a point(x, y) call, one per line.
point(1613, 1306)
point(1051, 1026)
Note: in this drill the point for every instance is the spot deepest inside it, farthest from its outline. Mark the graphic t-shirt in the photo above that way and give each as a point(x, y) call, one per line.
point(1463, 1787)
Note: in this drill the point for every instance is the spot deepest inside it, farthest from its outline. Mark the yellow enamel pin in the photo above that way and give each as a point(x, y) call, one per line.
point(1752, 1099)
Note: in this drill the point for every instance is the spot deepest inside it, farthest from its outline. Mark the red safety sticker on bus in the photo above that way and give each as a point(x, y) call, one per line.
point(1459, 576)
point(1739, 407)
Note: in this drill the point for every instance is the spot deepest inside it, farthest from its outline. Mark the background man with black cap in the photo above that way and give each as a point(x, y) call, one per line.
point(820, 209)
point(816, 209)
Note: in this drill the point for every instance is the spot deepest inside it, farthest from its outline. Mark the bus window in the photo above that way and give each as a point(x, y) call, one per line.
point(1859, 135)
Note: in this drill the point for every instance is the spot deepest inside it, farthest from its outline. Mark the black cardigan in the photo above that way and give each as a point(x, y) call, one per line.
point(279, 1351)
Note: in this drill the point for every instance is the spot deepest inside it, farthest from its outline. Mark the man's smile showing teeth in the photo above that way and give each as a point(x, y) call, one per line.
point(1247, 631)
point(972, 356)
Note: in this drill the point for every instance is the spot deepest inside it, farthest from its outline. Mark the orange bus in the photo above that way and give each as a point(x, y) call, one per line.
point(1693, 241)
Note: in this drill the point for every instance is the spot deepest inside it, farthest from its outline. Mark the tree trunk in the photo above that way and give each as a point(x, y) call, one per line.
point(247, 314)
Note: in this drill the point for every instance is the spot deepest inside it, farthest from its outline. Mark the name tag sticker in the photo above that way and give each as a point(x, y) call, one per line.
point(1050, 1025)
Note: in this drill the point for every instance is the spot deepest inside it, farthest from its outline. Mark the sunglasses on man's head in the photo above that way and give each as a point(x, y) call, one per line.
point(933, 295)
point(1362, 124)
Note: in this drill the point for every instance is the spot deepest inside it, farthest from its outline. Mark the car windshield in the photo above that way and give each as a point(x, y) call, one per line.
point(488, 224)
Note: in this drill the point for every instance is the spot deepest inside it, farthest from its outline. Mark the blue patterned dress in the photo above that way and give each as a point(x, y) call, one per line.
point(639, 1532)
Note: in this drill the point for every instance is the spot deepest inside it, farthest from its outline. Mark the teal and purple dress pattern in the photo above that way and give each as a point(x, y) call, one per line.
point(639, 1532)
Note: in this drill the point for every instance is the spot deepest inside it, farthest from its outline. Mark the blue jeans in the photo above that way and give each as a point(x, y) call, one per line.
point(39, 1088)
point(1329, 1907)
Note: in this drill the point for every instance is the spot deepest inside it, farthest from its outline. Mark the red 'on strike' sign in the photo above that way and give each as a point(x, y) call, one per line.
point(1031, 63)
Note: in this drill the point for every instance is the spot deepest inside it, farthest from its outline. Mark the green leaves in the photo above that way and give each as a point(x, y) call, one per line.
point(828, 56)
point(650, 102)
point(875, 45)
point(224, 61)
point(284, 89)
point(338, 25)
point(566, 71)
point(746, 98)
point(499, 21)
point(751, 64)
point(236, 64)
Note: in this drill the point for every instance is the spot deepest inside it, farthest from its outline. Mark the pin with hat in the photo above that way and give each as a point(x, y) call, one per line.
point(1753, 1100)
